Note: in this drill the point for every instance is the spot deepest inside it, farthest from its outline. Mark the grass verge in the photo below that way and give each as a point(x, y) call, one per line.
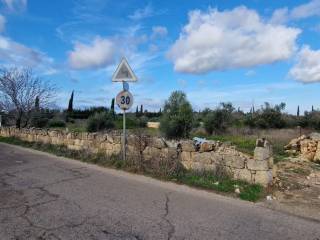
point(204, 180)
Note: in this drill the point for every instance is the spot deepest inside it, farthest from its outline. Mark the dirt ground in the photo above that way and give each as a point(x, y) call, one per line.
point(297, 188)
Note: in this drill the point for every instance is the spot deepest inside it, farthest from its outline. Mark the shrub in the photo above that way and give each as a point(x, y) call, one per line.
point(219, 119)
point(56, 123)
point(100, 121)
point(38, 120)
point(177, 118)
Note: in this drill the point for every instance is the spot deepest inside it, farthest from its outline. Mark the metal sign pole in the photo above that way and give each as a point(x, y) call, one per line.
point(124, 136)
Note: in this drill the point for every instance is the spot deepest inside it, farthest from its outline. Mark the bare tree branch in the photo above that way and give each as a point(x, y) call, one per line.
point(19, 89)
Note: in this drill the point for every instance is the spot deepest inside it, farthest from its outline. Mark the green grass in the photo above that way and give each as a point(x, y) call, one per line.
point(204, 180)
point(246, 144)
point(243, 144)
point(249, 192)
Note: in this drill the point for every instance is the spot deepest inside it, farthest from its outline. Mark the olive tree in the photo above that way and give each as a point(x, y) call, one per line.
point(177, 117)
point(19, 91)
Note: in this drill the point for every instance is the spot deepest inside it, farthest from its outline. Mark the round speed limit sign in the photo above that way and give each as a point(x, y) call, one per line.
point(124, 100)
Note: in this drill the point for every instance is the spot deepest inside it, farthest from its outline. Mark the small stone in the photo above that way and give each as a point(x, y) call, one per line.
point(319, 197)
point(269, 198)
point(308, 177)
point(237, 190)
point(216, 183)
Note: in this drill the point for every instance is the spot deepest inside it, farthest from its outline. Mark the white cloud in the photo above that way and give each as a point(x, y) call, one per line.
point(2, 23)
point(97, 54)
point(145, 12)
point(15, 5)
point(159, 31)
point(307, 67)
point(12, 52)
point(306, 10)
point(302, 11)
point(237, 38)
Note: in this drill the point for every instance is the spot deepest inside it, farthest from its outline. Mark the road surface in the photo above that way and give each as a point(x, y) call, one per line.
point(47, 197)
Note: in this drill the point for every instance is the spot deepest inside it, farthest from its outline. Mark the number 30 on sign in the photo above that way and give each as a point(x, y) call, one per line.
point(124, 100)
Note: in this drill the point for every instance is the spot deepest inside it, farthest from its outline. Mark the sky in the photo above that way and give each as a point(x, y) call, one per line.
point(244, 52)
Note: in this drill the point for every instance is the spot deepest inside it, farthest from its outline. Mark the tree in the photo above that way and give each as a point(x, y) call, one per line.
point(177, 116)
point(219, 119)
point(112, 107)
point(137, 111)
point(312, 109)
point(37, 104)
point(19, 88)
point(70, 106)
point(298, 111)
point(141, 110)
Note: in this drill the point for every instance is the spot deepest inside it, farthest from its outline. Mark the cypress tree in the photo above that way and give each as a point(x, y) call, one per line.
point(137, 111)
point(298, 111)
point(312, 109)
point(141, 110)
point(112, 105)
point(37, 104)
point(70, 106)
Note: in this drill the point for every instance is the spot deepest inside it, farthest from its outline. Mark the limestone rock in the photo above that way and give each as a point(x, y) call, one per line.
point(262, 177)
point(315, 136)
point(242, 174)
point(185, 156)
point(206, 147)
point(234, 161)
point(317, 155)
point(187, 146)
point(254, 164)
point(156, 143)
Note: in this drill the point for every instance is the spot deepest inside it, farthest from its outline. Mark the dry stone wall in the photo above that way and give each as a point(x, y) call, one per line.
point(308, 147)
point(209, 156)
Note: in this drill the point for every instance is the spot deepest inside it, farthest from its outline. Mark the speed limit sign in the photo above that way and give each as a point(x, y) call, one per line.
point(124, 100)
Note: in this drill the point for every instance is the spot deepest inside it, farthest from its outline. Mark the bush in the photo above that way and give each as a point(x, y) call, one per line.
point(100, 121)
point(38, 121)
point(219, 119)
point(56, 123)
point(177, 118)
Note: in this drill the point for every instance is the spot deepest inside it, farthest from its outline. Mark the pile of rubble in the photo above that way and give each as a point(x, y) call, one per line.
point(307, 147)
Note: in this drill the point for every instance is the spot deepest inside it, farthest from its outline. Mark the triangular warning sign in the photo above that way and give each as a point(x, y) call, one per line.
point(124, 73)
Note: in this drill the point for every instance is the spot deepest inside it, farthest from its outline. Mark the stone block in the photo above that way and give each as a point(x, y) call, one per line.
point(262, 153)
point(262, 177)
point(234, 161)
point(317, 154)
point(187, 146)
point(156, 143)
point(242, 174)
point(254, 164)
point(186, 164)
point(185, 156)
point(206, 147)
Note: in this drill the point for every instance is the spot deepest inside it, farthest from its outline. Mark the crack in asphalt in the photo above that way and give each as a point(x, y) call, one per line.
point(165, 217)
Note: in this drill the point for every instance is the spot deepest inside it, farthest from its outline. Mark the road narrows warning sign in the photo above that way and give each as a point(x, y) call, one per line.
point(124, 73)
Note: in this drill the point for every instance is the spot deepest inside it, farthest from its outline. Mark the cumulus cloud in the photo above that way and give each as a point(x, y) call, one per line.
point(159, 31)
point(237, 38)
point(2, 23)
point(307, 67)
point(15, 5)
point(97, 54)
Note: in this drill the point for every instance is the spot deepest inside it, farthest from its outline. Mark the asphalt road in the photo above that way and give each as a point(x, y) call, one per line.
point(46, 197)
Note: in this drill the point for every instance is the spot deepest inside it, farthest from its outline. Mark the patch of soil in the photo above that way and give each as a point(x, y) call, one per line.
point(297, 188)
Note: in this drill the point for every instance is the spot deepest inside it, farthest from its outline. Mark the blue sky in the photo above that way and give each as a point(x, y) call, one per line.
point(246, 52)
